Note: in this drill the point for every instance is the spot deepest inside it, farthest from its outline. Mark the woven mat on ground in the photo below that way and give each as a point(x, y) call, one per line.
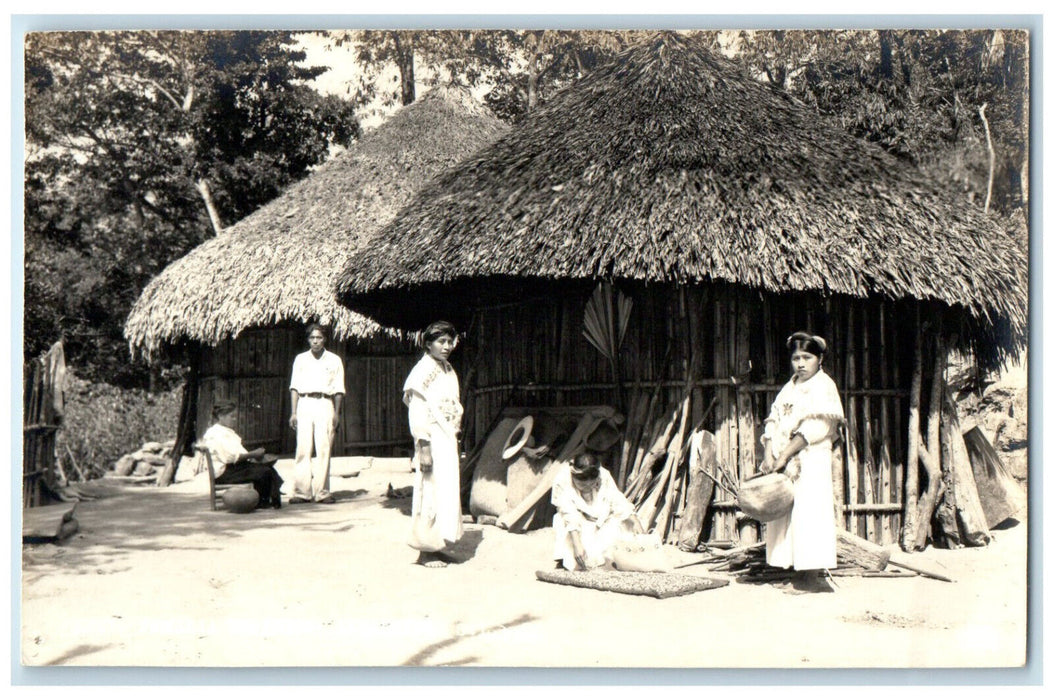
point(657, 584)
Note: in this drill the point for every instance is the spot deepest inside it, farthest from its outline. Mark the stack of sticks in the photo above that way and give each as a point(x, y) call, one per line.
point(747, 564)
point(653, 471)
point(855, 557)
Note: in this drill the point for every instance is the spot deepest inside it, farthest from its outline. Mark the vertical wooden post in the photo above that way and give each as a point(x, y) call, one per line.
point(946, 507)
point(750, 531)
point(723, 520)
point(561, 351)
point(186, 429)
point(770, 339)
point(733, 409)
point(868, 475)
point(897, 431)
point(931, 458)
point(853, 467)
point(885, 481)
point(911, 476)
point(696, 346)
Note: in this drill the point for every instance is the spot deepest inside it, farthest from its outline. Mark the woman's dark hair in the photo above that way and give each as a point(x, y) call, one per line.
point(813, 344)
point(222, 408)
point(312, 327)
point(435, 330)
point(585, 466)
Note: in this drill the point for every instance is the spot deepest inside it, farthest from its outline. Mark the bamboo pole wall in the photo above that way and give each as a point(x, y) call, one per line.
point(254, 369)
point(723, 343)
point(39, 429)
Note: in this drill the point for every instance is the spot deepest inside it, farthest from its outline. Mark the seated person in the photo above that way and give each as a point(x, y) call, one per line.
point(592, 515)
point(234, 464)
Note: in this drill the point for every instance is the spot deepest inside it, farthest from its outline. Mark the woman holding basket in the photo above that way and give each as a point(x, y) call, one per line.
point(799, 434)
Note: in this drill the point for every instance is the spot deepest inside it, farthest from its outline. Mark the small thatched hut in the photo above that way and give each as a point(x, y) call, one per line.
point(244, 296)
point(730, 216)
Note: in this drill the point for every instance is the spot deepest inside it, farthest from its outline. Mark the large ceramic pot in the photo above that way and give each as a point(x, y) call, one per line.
point(240, 499)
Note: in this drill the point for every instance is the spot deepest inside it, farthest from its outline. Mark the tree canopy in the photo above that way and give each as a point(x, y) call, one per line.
point(141, 144)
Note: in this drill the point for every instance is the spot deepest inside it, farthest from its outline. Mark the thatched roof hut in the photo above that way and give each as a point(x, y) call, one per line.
point(730, 216)
point(671, 164)
point(280, 263)
point(243, 296)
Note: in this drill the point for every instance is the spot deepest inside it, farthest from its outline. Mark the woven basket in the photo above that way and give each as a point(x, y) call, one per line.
point(767, 497)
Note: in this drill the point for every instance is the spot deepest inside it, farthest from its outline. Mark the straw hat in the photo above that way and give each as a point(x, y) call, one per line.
point(517, 438)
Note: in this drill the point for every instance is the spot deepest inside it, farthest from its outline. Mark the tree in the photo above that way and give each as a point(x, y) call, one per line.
point(519, 69)
point(139, 143)
point(917, 94)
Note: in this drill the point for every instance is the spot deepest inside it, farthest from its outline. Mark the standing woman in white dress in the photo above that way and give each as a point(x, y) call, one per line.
point(433, 399)
point(799, 435)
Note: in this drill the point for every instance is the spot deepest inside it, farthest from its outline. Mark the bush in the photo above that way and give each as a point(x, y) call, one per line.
point(103, 422)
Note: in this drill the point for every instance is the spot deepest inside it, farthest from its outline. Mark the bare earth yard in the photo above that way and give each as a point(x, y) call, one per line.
point(154, 578)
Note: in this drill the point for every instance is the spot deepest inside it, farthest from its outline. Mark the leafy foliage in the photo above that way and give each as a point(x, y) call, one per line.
point(917, 93)
point(125, 131)
point(103, 422)
point(518, 69)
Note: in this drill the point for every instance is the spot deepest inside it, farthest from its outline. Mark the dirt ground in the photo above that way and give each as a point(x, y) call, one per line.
point(155, 578)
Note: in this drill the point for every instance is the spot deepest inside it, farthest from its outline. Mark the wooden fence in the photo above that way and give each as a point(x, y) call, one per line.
point(42, 406)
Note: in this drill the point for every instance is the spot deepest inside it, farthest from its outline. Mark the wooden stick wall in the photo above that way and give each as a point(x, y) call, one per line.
point(253, 370)
point(39, 430)
point(715, 342)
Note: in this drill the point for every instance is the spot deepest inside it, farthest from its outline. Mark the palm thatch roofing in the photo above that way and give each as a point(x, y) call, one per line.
point(672, 164)
point(281, 262)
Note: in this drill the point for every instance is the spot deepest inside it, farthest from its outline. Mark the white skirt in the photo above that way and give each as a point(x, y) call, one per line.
point(437, 495)
point(805, 538)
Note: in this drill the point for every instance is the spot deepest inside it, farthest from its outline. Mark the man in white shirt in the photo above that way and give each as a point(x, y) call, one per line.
point(317, 394)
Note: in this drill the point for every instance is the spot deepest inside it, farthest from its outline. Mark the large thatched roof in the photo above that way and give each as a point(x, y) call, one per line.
point(280, 263)
point(672, 164)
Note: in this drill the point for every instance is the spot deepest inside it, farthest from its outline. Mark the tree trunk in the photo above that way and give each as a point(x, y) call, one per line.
point(534, 70)
point(856, 551)
point(911, 478)
point(946, 508)
point(885, 63)
point(210, 206)
point(931, 457)
point(404, 56)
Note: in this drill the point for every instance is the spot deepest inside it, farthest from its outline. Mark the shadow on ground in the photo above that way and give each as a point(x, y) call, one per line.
point(465, 548)
point(341, 496)
point(76, 652)
point(125, 519)
point(421, 657)
point(403, 505)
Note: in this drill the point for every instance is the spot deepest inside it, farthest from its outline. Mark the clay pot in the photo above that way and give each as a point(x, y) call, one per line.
point(766, 497)
point(240, 499)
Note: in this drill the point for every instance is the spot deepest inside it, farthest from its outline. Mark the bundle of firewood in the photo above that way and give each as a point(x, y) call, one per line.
point(855, 556)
